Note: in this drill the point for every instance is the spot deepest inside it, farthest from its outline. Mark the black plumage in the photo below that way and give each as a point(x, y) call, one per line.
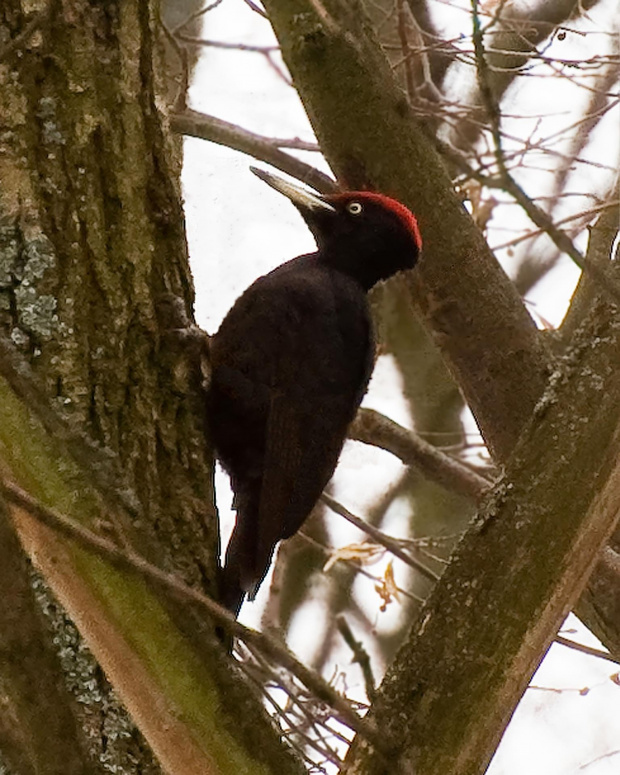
point(290, 365)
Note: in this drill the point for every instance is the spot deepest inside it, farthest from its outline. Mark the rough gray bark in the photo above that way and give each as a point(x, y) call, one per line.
point(453, 687)
point(92, 238)
point(94, 283)
point(39, 729)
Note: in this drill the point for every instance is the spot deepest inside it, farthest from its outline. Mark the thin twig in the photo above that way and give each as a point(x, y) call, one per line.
point(495, 19)
point(589, 213)
point(360, 656)
point(195, 16)
point(256, 8)
point(296, 144)
point(589, 650)
point(416, 545)
point(206, 127)
point(406, 50)
point(536, 214)
point(128, 560)
point(227, 45)
point(380, 537)
point(266, 51)
point(296, 719)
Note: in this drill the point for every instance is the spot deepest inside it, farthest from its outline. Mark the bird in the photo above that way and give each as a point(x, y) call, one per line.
point(290, 365)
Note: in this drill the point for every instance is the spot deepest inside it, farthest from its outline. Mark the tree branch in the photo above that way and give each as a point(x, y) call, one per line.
point(483, 631)
point(360, 656)
point(371, 427)
point(516, 31)
point(603, 235)
point(266, 149)
point(391, 544)
point(128, 560)
point(589, 650)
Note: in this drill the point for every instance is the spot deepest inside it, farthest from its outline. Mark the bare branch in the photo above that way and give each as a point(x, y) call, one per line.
point(588, 214)
point(440, 53)
point(589, 650)
point(195, 16)
point(257, 9)
point(371, 427)
point(266, 51)
point(380, 537)
point(266, 149)
point(360, 656)
point(603, 235)
point(301, 718)
point(515, 575)
point(516, 31)
point(226, 45)
point(127, 559)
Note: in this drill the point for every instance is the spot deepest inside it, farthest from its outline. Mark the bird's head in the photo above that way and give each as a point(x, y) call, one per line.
point(366, 235)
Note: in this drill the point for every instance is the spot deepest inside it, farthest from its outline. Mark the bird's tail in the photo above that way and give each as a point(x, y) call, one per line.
point(245, 565)
point(232, 593)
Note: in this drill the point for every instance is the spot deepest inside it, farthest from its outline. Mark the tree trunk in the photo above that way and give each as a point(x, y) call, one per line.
point(94, 287)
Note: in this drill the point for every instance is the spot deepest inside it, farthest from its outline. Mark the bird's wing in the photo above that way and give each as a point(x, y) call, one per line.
point(301, 452)
point(309, 413)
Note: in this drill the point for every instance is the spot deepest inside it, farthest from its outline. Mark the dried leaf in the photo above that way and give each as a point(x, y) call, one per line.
point(386, 588)
point(363, 554)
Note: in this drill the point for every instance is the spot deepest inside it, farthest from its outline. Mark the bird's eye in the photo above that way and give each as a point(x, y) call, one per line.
point(355, 208)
